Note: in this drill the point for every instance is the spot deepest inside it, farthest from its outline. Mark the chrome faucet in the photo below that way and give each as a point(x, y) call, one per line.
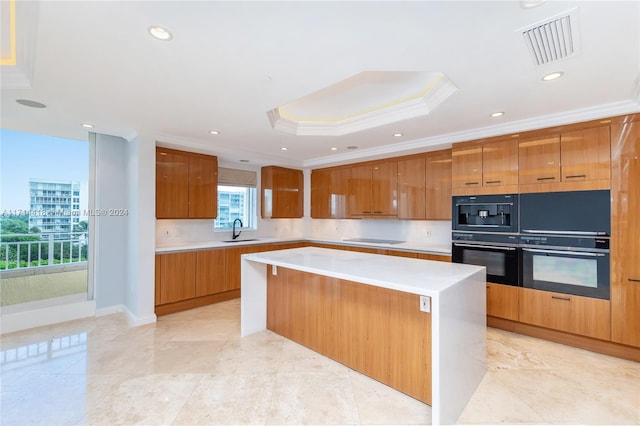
point(234, 235)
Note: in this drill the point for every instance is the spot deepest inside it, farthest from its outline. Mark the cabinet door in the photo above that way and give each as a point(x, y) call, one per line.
point(574, 314)
point(172, 184)
point(321, 194)
point(500, 163)
point(210, 272)
point(586, 154)
point(234, 267)
point(625, 234)
point(384, 185)
point(282, 195)
point(158, 269)
point(467, 165)
point(502, 301)
point(339, 205)
point(203, 187)
point(438, 185)
point(539, 160)
point(411, 189)
point(177, 276)
point(360, 191)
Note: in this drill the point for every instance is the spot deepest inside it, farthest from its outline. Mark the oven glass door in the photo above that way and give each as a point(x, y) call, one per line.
point(501, 262)
point(570, 272)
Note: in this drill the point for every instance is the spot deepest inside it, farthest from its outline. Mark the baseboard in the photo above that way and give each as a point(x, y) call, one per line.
point(595, 345)
point(23, 320)
point(136, 321)
point(183, 305)
point(109, 310)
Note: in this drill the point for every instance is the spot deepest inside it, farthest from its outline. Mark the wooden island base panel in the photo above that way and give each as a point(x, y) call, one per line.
point(376, 331)
point(418, 326)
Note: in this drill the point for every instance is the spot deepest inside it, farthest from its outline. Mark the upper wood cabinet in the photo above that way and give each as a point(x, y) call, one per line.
point(625, 234)
point(373, 190)
point(485, 167)
point(282, 192)
point(438, 185)
point(186, 185)
point(586, 155)
point(577, 160)
point(412, 188)
point(330, 193)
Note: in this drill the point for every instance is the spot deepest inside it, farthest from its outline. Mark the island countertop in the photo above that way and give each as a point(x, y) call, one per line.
point(415, 276)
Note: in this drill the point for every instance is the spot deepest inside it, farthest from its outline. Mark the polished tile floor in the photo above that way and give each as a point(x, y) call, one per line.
point(193, 368)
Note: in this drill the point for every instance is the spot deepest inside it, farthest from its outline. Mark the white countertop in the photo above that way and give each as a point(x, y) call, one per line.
point(417, 247)
point(415, 276)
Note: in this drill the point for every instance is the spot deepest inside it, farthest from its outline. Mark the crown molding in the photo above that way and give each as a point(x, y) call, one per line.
point(445, 141)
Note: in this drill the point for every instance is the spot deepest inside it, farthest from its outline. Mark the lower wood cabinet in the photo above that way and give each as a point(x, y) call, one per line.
point(502, 301)
point(573, 314)
point(185, 280)
point(211, 266)
point(177, 276)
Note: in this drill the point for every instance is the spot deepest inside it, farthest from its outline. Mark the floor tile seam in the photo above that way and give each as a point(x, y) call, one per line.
point(350, 374)
point(186, 399)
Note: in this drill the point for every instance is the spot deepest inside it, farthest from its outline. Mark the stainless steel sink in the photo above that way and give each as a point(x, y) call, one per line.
point(241, 241)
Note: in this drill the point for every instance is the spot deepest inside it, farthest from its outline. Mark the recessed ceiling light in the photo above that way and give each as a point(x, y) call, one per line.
point(528, 4)
point(214, 132)
point(284, 148)
point(334, 149)
point(497, 114)
point(32, 104)
point(87, 125)
point(352, 147)
point(397, 135)
point(160, 33)
point(244, 161)
point(552, 76)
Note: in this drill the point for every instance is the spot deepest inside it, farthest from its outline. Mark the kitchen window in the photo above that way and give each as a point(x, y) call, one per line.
point(237, 198)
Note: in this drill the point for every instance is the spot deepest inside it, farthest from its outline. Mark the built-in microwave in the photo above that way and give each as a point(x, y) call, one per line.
point(485, 213)
point(566, 213)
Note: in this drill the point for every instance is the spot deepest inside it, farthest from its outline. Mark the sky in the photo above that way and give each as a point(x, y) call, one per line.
point(25, 155)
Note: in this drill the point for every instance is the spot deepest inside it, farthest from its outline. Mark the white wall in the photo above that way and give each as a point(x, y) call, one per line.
point(140, 247)
point(110, 230)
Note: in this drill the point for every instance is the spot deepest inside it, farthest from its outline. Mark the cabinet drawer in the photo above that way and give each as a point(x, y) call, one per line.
point(574, 314)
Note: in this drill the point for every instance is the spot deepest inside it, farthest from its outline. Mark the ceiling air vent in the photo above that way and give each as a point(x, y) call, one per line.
point(552, 39)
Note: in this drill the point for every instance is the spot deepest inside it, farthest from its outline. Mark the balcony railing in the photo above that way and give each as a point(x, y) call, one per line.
point(21, 251)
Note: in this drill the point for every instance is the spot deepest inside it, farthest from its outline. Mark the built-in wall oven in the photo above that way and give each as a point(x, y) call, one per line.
point(570, 265)
point(499, 253)
point(565, 242)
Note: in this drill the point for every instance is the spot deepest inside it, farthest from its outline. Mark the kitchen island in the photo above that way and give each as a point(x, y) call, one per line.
point(357, 308)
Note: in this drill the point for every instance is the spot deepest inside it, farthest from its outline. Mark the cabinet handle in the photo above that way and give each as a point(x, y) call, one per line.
point(366, 211)
point(471, 183)
point(634, 280)
point(547, 178)
point(575, 176)
point(488, 287)
point(561, 298)
point(493, 181)
point(377, 211)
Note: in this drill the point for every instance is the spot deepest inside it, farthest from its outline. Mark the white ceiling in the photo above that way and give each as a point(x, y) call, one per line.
point(231, 62)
